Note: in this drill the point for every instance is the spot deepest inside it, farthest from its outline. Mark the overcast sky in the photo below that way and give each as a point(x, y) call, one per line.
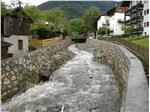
point(31, 2)
point(38, 2)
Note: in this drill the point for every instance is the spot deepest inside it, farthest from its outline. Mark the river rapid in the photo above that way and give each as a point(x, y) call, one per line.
point(80, 85)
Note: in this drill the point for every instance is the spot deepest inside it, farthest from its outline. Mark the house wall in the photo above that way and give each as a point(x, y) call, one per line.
point(117, 27)
point(14, 41)
point(102, 20)
point(113, 23)
point(146, 18)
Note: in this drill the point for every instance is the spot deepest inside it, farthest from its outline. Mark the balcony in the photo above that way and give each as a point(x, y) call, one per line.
point(135, 9)
point(139, 29)
point(140, 18)
point(120, 21)
point(128, 22)
point(139, 6)
point(128, 13)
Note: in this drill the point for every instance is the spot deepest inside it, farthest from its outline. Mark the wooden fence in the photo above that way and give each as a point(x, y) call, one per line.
point(36, 43)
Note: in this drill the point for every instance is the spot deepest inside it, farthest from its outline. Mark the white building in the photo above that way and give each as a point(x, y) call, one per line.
point(19, 44)
point(146, 18)
point(114, 19)
point(116, 23)
point(135, 12)
point(103, 21)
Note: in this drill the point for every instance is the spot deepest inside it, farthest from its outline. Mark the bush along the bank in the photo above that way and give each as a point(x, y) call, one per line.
point(42, 31)
point(103, 31)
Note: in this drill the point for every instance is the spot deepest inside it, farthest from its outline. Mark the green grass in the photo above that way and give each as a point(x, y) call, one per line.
point(138, 40)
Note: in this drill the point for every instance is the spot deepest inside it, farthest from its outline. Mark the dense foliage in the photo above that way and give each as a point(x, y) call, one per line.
point(76, 9)
point(42, 31)
point(76, 26)
point(128, 29)
point(4, 10)
point(33, 12)
point(103, 31)
point(90, 19)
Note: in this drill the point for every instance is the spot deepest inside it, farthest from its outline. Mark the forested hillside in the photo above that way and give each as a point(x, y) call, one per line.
point(74, 9)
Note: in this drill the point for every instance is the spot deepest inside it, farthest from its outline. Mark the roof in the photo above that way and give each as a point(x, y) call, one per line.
point(5, 44)
point(125, 3)
point(110, 12)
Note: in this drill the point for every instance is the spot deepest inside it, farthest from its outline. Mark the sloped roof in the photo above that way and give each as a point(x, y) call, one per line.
point(5, 44)
point(125, 3)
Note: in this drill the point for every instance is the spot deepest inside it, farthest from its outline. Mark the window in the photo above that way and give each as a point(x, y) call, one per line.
point(20, 44)
point(144, 24)
point(147, 24)
point(147, 11)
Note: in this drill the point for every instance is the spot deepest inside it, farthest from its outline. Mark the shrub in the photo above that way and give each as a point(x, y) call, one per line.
point(43, 31)
point(128, 29)
point(102, 31)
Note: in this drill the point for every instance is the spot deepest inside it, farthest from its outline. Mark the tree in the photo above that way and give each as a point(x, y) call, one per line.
point(76, 26)
point(56, 16)
point(103, 30)
point(33, 12)
point(128, 29)
point(90, 19)
point(4, 10)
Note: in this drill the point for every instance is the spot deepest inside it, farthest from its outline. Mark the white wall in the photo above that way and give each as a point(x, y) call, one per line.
point(101, 21)
point(14, 41)
point(115, 26)
point(146, 18)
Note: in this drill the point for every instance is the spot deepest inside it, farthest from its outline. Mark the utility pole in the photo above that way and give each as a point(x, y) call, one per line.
point(106, 25)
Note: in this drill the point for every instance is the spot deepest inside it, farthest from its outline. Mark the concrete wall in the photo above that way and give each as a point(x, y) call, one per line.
point(146, 18)
point(21, 73)
point(14, 41)
point(129, 73)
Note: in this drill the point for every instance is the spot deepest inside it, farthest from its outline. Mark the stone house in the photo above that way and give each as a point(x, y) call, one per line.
point(14, 30)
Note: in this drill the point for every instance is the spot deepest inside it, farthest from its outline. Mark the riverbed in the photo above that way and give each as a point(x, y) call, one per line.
point(80, 85)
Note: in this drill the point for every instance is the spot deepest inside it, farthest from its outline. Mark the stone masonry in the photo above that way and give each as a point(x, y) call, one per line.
point(20, 73)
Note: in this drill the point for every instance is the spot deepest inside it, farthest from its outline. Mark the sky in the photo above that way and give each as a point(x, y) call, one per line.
point(37, 2)
point(31, 2)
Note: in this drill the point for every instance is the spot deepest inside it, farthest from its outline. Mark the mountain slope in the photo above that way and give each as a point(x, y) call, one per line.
point(75, 9)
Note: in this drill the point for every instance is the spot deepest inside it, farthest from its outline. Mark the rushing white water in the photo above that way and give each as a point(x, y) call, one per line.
point(81, 85)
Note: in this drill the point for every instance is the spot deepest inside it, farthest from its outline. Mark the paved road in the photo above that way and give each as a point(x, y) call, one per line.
point(81, 85)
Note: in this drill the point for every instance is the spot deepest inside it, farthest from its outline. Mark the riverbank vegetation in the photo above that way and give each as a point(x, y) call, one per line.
point(139, 40)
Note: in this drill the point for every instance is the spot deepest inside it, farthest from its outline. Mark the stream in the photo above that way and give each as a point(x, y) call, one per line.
point(80, 85)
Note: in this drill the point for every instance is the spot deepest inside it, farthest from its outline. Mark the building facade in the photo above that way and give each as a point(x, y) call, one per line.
point(19, 44)
point(113, 19)
point(146, 18)
point(14, 30)
point(139, 16)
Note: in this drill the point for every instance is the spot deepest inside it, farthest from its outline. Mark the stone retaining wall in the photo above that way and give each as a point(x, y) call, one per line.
point(129, 73)
point(21, 73)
